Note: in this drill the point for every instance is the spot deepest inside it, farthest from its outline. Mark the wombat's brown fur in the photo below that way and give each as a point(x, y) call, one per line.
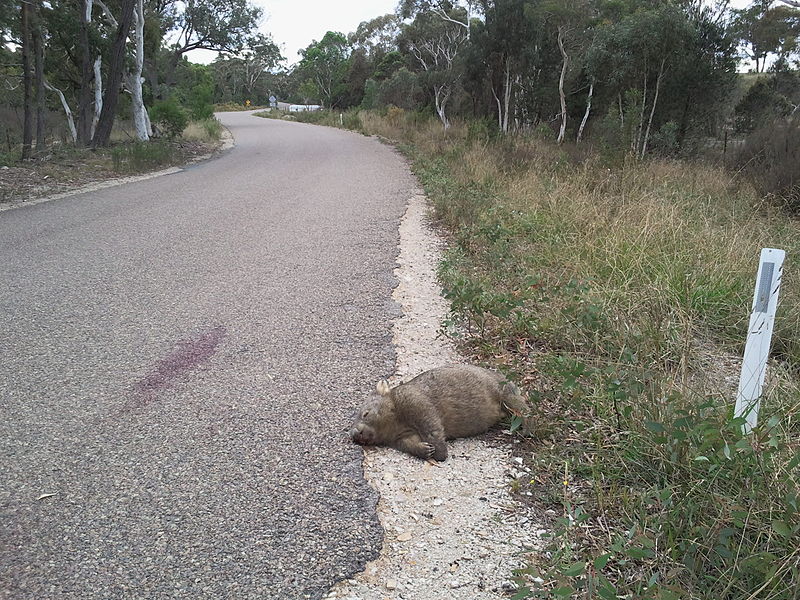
point(444, 403)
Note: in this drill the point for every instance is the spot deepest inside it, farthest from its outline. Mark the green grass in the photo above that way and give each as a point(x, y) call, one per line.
point(134, 157)
point(617, 294)
point(207, 130)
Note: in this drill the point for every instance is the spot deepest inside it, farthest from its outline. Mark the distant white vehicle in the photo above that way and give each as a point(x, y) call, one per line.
point(304, 107)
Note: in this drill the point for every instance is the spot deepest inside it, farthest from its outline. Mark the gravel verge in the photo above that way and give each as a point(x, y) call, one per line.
point(451, 530)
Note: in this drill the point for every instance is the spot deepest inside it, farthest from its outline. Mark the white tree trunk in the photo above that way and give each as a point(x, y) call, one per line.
point(564, 62)
point(499, 110)
point(98, 94)
point(652, 109)
point(635, 143)
point(70, 121)
point(507, 95)
point(141, 122)
point(503, 105)
point(441, 96)
point(586, 114)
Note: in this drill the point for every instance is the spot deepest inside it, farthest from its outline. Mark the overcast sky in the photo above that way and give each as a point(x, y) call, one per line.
point(294, 24)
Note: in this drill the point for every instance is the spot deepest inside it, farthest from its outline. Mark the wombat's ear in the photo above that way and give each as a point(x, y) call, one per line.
point(382, 387)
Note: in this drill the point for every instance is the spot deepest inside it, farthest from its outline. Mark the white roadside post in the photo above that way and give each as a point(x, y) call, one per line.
point(759, 336)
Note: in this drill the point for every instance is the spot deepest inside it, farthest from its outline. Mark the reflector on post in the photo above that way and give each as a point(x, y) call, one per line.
point(759, 336)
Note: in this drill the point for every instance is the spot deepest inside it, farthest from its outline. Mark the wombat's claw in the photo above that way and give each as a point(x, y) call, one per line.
point(430, 450)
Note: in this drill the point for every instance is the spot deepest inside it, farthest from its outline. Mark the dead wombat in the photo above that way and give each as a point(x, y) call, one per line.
point(444, 403)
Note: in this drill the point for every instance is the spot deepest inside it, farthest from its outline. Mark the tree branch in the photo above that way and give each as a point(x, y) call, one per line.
point(112, 21)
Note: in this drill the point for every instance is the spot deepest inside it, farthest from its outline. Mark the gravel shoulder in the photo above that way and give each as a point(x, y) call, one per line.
point(451, 530)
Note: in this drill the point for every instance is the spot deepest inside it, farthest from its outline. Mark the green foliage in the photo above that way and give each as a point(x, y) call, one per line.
point(664, 142)
point(324, 65)
point(200, 107)
point(402, 89)
point(709, 512)
point(370, 99)
point(388, 65)
point(169, 117)
point(770, 97)
point(766, 30)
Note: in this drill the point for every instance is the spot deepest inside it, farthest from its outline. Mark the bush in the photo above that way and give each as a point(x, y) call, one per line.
point(762, 103)
point(199, 102)
point(140, 156)
point(169, 117)
point(770, 157)
point(664, 142)
point(401, 89)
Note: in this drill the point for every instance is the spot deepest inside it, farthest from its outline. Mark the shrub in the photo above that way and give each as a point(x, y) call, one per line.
point(199, 102)
point(761, 104)
point(770, 157)
point(401, 89)
point(170, 117)
point(139, 156)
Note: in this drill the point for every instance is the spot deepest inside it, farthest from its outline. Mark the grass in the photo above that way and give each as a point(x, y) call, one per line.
point(207, 130)
point(135, 157)
point(617, 293)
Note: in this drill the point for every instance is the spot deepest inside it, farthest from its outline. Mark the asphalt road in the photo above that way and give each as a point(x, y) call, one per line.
point(179, 359)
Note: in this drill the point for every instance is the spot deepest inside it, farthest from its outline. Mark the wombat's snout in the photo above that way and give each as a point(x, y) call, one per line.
point(361, 434)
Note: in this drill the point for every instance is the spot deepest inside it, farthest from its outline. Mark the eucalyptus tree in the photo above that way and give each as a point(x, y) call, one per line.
point(377, 37)
point(259, 57)
point(435, 40)
point(764, 30)
point(27, 78)
point(325, 63)
point(220, 25)
point(635, 55)
point(116, 65)
point(507, 42)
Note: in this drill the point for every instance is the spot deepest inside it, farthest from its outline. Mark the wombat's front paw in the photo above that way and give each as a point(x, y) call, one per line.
point(429, 450)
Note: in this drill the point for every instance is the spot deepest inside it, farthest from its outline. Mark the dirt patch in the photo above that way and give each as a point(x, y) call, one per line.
point(452, 530)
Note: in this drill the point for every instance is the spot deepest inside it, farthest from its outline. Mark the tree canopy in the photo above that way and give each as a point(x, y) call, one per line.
point(645, 76)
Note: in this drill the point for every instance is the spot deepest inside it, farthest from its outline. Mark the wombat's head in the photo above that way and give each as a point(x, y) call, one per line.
point(368, 421)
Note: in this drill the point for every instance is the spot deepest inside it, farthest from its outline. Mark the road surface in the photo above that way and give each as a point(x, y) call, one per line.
point(180, 359)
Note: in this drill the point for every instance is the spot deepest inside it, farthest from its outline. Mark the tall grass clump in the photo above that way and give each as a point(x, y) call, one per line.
point(133, 157)
point(618, 294)
point(205, 129)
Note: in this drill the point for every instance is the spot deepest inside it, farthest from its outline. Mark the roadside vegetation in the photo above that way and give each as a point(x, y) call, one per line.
point(617, 292)
point(66, 167)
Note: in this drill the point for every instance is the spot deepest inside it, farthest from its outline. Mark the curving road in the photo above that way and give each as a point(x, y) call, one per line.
point(180, 358)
